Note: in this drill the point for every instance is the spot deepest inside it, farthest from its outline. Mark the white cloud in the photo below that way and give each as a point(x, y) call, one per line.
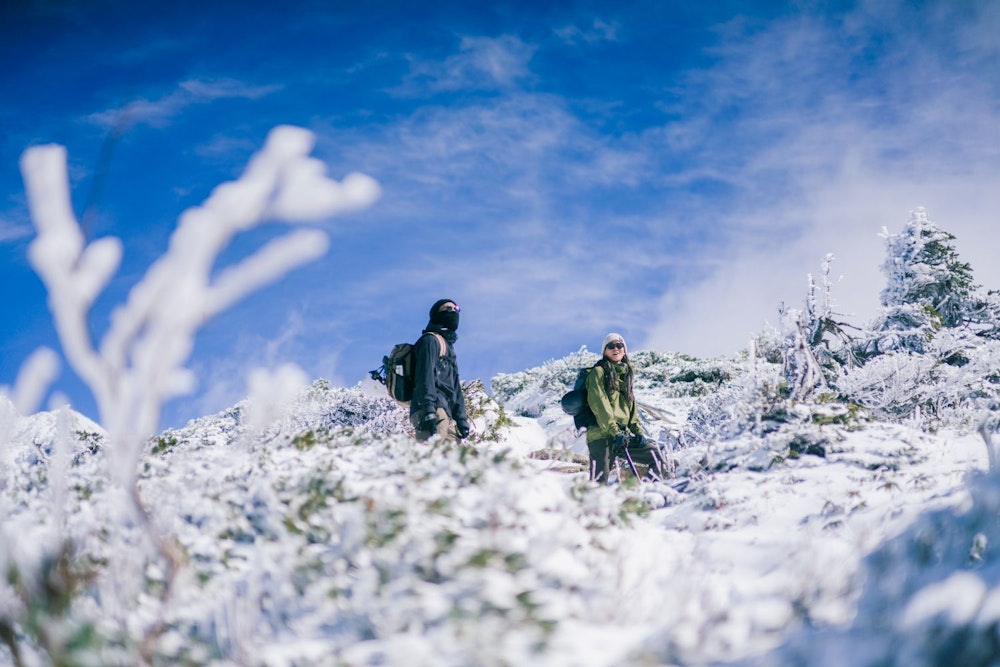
point(159, 112)
point(827, 150)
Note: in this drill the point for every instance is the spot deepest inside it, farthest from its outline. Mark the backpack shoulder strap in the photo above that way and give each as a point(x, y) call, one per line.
point(442, 345)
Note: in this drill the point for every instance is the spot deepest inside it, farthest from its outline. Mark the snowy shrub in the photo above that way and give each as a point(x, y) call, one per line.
point(986, 316)
point(678, 375)
point(529, 392)
point(751, 402)
point(821, 331)
point(893, 386)
point(50, 558)
point(787, 381)
point(948, 385)
point(487, 416)
point(356, 539)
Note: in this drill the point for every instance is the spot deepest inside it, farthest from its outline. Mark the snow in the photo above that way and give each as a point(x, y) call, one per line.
point(958, 598)
point(359, 542)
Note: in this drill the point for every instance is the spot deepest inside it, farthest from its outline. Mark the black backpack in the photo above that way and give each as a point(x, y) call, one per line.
point(574, 402)
point(396, 372)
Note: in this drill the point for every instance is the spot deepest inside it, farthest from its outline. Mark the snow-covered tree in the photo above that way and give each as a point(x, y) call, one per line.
point(928, 352)
point(928, 288)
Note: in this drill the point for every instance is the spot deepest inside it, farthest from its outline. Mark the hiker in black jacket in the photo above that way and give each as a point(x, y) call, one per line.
point(438, 405)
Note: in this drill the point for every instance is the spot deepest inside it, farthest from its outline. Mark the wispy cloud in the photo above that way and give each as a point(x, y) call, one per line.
point(159, 112)
point(225, 374)
point(11, 230)
point(523, 158)
point(482, 63)
point(596, 31)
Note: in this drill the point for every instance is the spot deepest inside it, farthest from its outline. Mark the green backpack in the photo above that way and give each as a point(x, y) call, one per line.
point(397, 369)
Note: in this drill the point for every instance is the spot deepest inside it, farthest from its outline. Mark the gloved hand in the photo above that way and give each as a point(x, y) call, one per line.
point(637, 440)
point(463, 430)
point(429, 423)
point(619, 442)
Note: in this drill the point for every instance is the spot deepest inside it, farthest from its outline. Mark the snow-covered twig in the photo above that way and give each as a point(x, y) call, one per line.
point(984, 429)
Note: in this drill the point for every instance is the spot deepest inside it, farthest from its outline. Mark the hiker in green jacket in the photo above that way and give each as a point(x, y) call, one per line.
point(612, 400)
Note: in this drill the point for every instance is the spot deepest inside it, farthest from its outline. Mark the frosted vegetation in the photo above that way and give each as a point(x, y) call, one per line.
point(832, 498)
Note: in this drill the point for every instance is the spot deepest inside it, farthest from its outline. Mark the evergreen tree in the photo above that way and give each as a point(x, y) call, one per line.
point(928, 288)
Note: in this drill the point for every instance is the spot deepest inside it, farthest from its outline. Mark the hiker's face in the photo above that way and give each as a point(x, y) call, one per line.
point(615, 351)
point(447, 315)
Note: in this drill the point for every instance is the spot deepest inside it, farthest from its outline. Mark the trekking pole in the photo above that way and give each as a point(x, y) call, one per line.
point(631, 464)
point(621, 448)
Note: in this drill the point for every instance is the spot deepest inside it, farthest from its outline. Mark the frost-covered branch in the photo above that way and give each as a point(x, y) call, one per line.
point(140, 363)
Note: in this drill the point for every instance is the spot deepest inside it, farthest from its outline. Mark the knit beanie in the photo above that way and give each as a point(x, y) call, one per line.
point(612, 337)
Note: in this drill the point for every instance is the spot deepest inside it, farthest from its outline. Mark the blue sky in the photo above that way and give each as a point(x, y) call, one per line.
point(667, 170)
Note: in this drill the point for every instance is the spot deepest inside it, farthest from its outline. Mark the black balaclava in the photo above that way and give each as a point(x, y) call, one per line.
point(447, 318)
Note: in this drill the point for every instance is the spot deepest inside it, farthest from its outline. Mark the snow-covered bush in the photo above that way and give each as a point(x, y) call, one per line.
point(951, 383)
point(985, 317)
point(672, 375)
point(816, 344)
point(679, 375)
point(748, 403)
point(487, 416)
point(787, 377)
point(529, 392)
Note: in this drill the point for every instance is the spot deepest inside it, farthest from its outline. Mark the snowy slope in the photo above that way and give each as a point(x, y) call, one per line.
point(330, 537)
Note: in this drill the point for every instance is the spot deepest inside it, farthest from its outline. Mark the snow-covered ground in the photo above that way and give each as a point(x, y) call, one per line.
point(761, 546)
point(331, 537)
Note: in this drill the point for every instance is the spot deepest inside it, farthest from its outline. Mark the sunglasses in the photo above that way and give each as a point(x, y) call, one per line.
point(615, 346)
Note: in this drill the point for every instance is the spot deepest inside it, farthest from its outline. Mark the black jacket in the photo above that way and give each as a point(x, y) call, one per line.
point(436, 383)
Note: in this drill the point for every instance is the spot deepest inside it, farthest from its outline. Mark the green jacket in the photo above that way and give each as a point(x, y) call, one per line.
point(609, 410)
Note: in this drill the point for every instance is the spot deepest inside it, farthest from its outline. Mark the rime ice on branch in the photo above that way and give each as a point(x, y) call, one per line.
point(140, 362)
